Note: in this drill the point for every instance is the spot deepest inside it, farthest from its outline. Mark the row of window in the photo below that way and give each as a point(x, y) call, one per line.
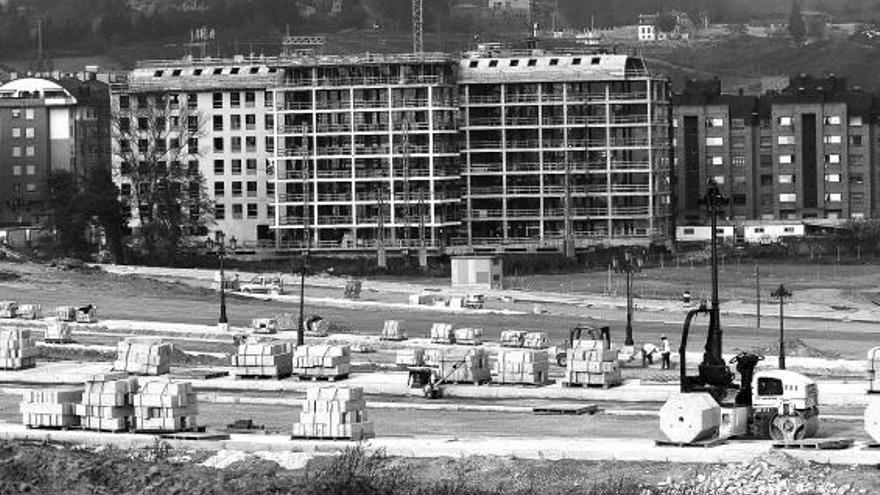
point(250, 122)
point(28, 132)
point(235, 166)
point(792, 198)
point(854, 121)
point(30, 188)
point(216, 71)
point(28, 151)
point(250, 144)
point(533, 62)
point(219, 99)
point(220, 189)
point(28, 113)
point(238, 210)
point(27, 169)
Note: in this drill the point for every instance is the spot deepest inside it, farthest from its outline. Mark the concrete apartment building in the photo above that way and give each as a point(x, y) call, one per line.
point(563, 147)
point(37, 137)
point(234, 109)
point(804, 153)
point(372, 141)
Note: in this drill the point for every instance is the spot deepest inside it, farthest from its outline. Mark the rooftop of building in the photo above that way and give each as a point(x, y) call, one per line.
point(44, 91)
point(548, 66)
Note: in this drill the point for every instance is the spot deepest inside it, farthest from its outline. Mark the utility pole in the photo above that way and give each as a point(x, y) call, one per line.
point(781, 293)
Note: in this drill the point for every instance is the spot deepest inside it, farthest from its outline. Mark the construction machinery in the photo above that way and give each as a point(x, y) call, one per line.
point(579, 332)
point(426, 381)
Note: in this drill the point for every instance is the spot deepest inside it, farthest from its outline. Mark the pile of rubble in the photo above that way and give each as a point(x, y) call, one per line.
point(775, 473)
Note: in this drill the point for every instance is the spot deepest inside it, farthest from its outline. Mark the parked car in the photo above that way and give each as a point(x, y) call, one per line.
point(264, 284)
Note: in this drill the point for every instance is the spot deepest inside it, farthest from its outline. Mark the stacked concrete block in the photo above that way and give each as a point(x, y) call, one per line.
point(471, 366)
point(432, 357)
point(322, 361)
point(264, 325)
point(442, 333)
point(143, 356)
point(161, 405)
point(87, 314)
point(392, 331)
point(334, 412)
point(58, 331)
point(65, 313)
point(29, 311)
point(410, 357)
point(521, 366)
point(263, 359)
point(536, 340)
point(8, 309)
point(17, 349)
point(589, 363)
point(469, 336)
point(107, 402)
point(50, 408)
point(513, 338)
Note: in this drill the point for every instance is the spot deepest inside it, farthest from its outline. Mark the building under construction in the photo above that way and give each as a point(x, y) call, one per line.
point(366, 151)
point(562, 149)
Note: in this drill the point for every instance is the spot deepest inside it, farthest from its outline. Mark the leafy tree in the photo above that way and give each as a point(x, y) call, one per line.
point(156, 140)
point(796, 27)
point(666, 22)
point(67, 216)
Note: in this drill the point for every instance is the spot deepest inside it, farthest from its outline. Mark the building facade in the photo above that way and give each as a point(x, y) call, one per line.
point(803, 153)
point(366, 151)
point(37, 137)
point(563, 148)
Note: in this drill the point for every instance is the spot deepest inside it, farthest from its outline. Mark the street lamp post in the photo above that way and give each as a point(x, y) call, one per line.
point(714, 368)
point(629, 264)
point(220, 242)
point(781, 293)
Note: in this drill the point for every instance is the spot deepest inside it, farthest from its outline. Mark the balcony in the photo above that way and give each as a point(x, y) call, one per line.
point(333, 174)
point(521, 98)
point(484, 100)
point(370, 173)
point(383, 104)
point(334, 197)
point(363, 81)
point(335, 220)
point(333, 150)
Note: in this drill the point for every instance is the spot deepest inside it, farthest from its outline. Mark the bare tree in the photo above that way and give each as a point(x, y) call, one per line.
point(157, 143)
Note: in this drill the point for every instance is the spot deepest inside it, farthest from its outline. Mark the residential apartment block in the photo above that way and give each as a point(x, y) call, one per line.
point(38, 122)
point(798, 154)
point(563, 147)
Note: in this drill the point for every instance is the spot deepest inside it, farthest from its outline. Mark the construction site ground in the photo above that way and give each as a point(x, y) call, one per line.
point(828, 344)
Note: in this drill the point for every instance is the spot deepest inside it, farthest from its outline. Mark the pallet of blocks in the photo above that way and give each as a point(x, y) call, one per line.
point(29, 311)
point(330, 362)
point(469, 336)
point(107, 402)
point(50, 408)
point(65, 313)
point(470, 366)
point(143, 356)
point(264, 325)
point(87, 314)
point(521, 367)
point(337, 413)
point(410, 357)
point(392, 331)
point(17, 349)
point(442, 333)
point(161, 405)
point(432, 357)
point(8, 309)
point(513, 338)
point(588, 363)
point(536, 340)
point(57, 331)
point(263, 360)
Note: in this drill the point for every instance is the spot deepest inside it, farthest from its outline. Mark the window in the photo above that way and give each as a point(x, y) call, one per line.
point(250, 144)
point(784, 121)
point(236, 211)
point(786, 179)
point(31, 169)
point(832, 158)
point(493, 63)
point(832, 139)
point(719, 179)
point(738, 141)
point(233, 70)
point(270, 189)
point(192, 101)
point(474, 64)
point(250, 122)
point(787, 198)
point(832, 177)
point(270, 144)
point(236, 189)
point(16, 132)
point(269, 122)
point(218, 100)
point(235, 122)
point(832, 120)
point(235, 102)
point(714, 141)
point(30, 187)
point(833, 197)
point(193, 145)
point(236, 167)
point(270, 211)
point(252, 189)
point(218, 71)
point(219, 167)
point(766, 180)
point(192, 123)
point(856, 179)
point(219, 211)
point(29, 133)
point(716, 160)
point(124, 103)
point(855, 140)
point(29, 151)
point(218, 122)
point(714, 122)
point(29, 114)
point(785, 140)
point(235, 144)
point(219, 189)
point(738, 161)
point(857, 198)
point(16, 170)
point(251, 166)
point(855, 121)
point(595, 60)
point(554, 61)
point(533, 62)
point(737, 123)
point(268, 99)
point(855, 160)
point(250, 99)
point(766, 142)
point(786, 159)
point(739, 199)
point(576, 61)
point(766, 160)
point(218, 145)
point(252, 210)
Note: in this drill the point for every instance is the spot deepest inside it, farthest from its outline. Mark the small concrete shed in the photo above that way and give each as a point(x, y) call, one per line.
point(477, 272)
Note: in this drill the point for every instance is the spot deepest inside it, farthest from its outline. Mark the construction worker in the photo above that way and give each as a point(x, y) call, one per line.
point(648, 351)
point(665, 353)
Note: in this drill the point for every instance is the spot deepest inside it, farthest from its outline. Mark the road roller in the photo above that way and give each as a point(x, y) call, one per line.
point(777, 404)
